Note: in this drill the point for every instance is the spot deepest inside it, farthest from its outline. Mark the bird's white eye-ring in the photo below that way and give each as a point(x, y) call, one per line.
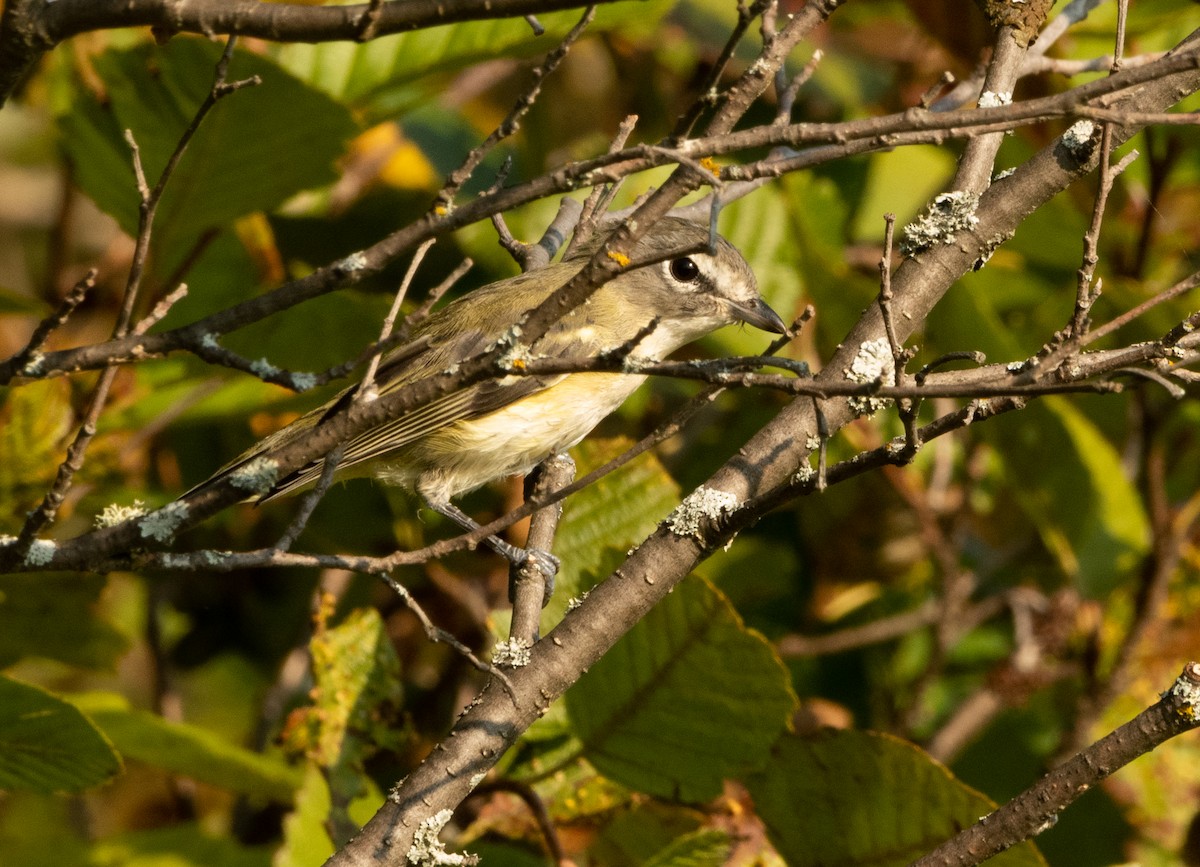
point(684, 269)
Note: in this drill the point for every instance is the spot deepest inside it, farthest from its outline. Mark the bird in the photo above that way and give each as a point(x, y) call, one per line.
point(508, 425)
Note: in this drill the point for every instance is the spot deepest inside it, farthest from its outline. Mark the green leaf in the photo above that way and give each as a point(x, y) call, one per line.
point(762, 578)
point(41, 830)
point(388, 75)
point(647, 830)
point(688, 698)
point(35, 421)
point(1065, 474)
point(251, 153)
point(820, 211)
point(306, 841)
point(47, 745)
point(30, 601)
point(926, 169)
point(1069, 479)
point(618, 511)
point(707, 848)
point(859, 799)
point(188, 749)
point(968, 316)
point(178, 846)
point(356, 692)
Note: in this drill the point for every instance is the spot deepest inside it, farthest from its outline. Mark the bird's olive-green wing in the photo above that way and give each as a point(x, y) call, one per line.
point(565, 340)
point(437, 345)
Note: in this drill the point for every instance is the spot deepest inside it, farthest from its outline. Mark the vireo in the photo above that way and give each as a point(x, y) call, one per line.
point(507, 426)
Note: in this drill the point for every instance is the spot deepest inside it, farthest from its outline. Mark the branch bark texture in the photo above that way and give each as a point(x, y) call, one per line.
point(30, 28)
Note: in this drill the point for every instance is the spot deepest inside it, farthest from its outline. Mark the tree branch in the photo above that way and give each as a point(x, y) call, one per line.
point(1037, 808)
point(29, 29)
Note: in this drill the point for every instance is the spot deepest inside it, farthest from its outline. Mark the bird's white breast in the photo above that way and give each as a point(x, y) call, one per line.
point(516, 438)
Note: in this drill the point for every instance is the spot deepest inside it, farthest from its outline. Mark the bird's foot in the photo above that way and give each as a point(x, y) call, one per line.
point(537, 561)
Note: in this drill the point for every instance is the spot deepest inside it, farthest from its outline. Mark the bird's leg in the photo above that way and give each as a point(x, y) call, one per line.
point(513, 554)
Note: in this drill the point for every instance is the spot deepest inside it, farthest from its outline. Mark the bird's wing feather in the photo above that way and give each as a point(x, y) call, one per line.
point(434, 348)
point(377, 442)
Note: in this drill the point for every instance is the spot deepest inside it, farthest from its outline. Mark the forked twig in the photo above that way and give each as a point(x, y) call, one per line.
point(512, 122)
point(150, 198)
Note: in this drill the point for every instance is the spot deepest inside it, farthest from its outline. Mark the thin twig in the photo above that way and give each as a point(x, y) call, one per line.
point(208, 349)
point(1068, 342)
point(709, 96)
point(600, 197)
point(366, 389)
point(48, 508)
point(787, 97)
point(440, 636)
point(53, 322)
point(906, 407)
point(1040, 64)
point(1087, 288)
point(845, 138)
point(435, 295)
point(212, 352)
point(309, 501)
point(512, 122)
point(161, 309)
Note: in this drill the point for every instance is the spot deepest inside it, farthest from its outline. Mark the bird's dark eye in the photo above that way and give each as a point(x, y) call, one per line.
point(684, 270)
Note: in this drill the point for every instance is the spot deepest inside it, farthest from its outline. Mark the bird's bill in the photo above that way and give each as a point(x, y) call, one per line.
point(758, 314)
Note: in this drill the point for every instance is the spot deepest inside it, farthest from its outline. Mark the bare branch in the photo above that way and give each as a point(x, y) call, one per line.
point(530, 587)
point(1038, 806)
point(601, 197)
point(979, 156)
point(150, 198)
point(709, 96)
point(860, 136)
point(29, 29)
point(309, 501)
point(440, 636)
point(367, 390)
point(31, 352)
point(161, 309)
point(512, 122)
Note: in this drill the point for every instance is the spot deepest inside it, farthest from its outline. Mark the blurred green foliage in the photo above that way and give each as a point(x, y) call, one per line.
point(684, 745)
